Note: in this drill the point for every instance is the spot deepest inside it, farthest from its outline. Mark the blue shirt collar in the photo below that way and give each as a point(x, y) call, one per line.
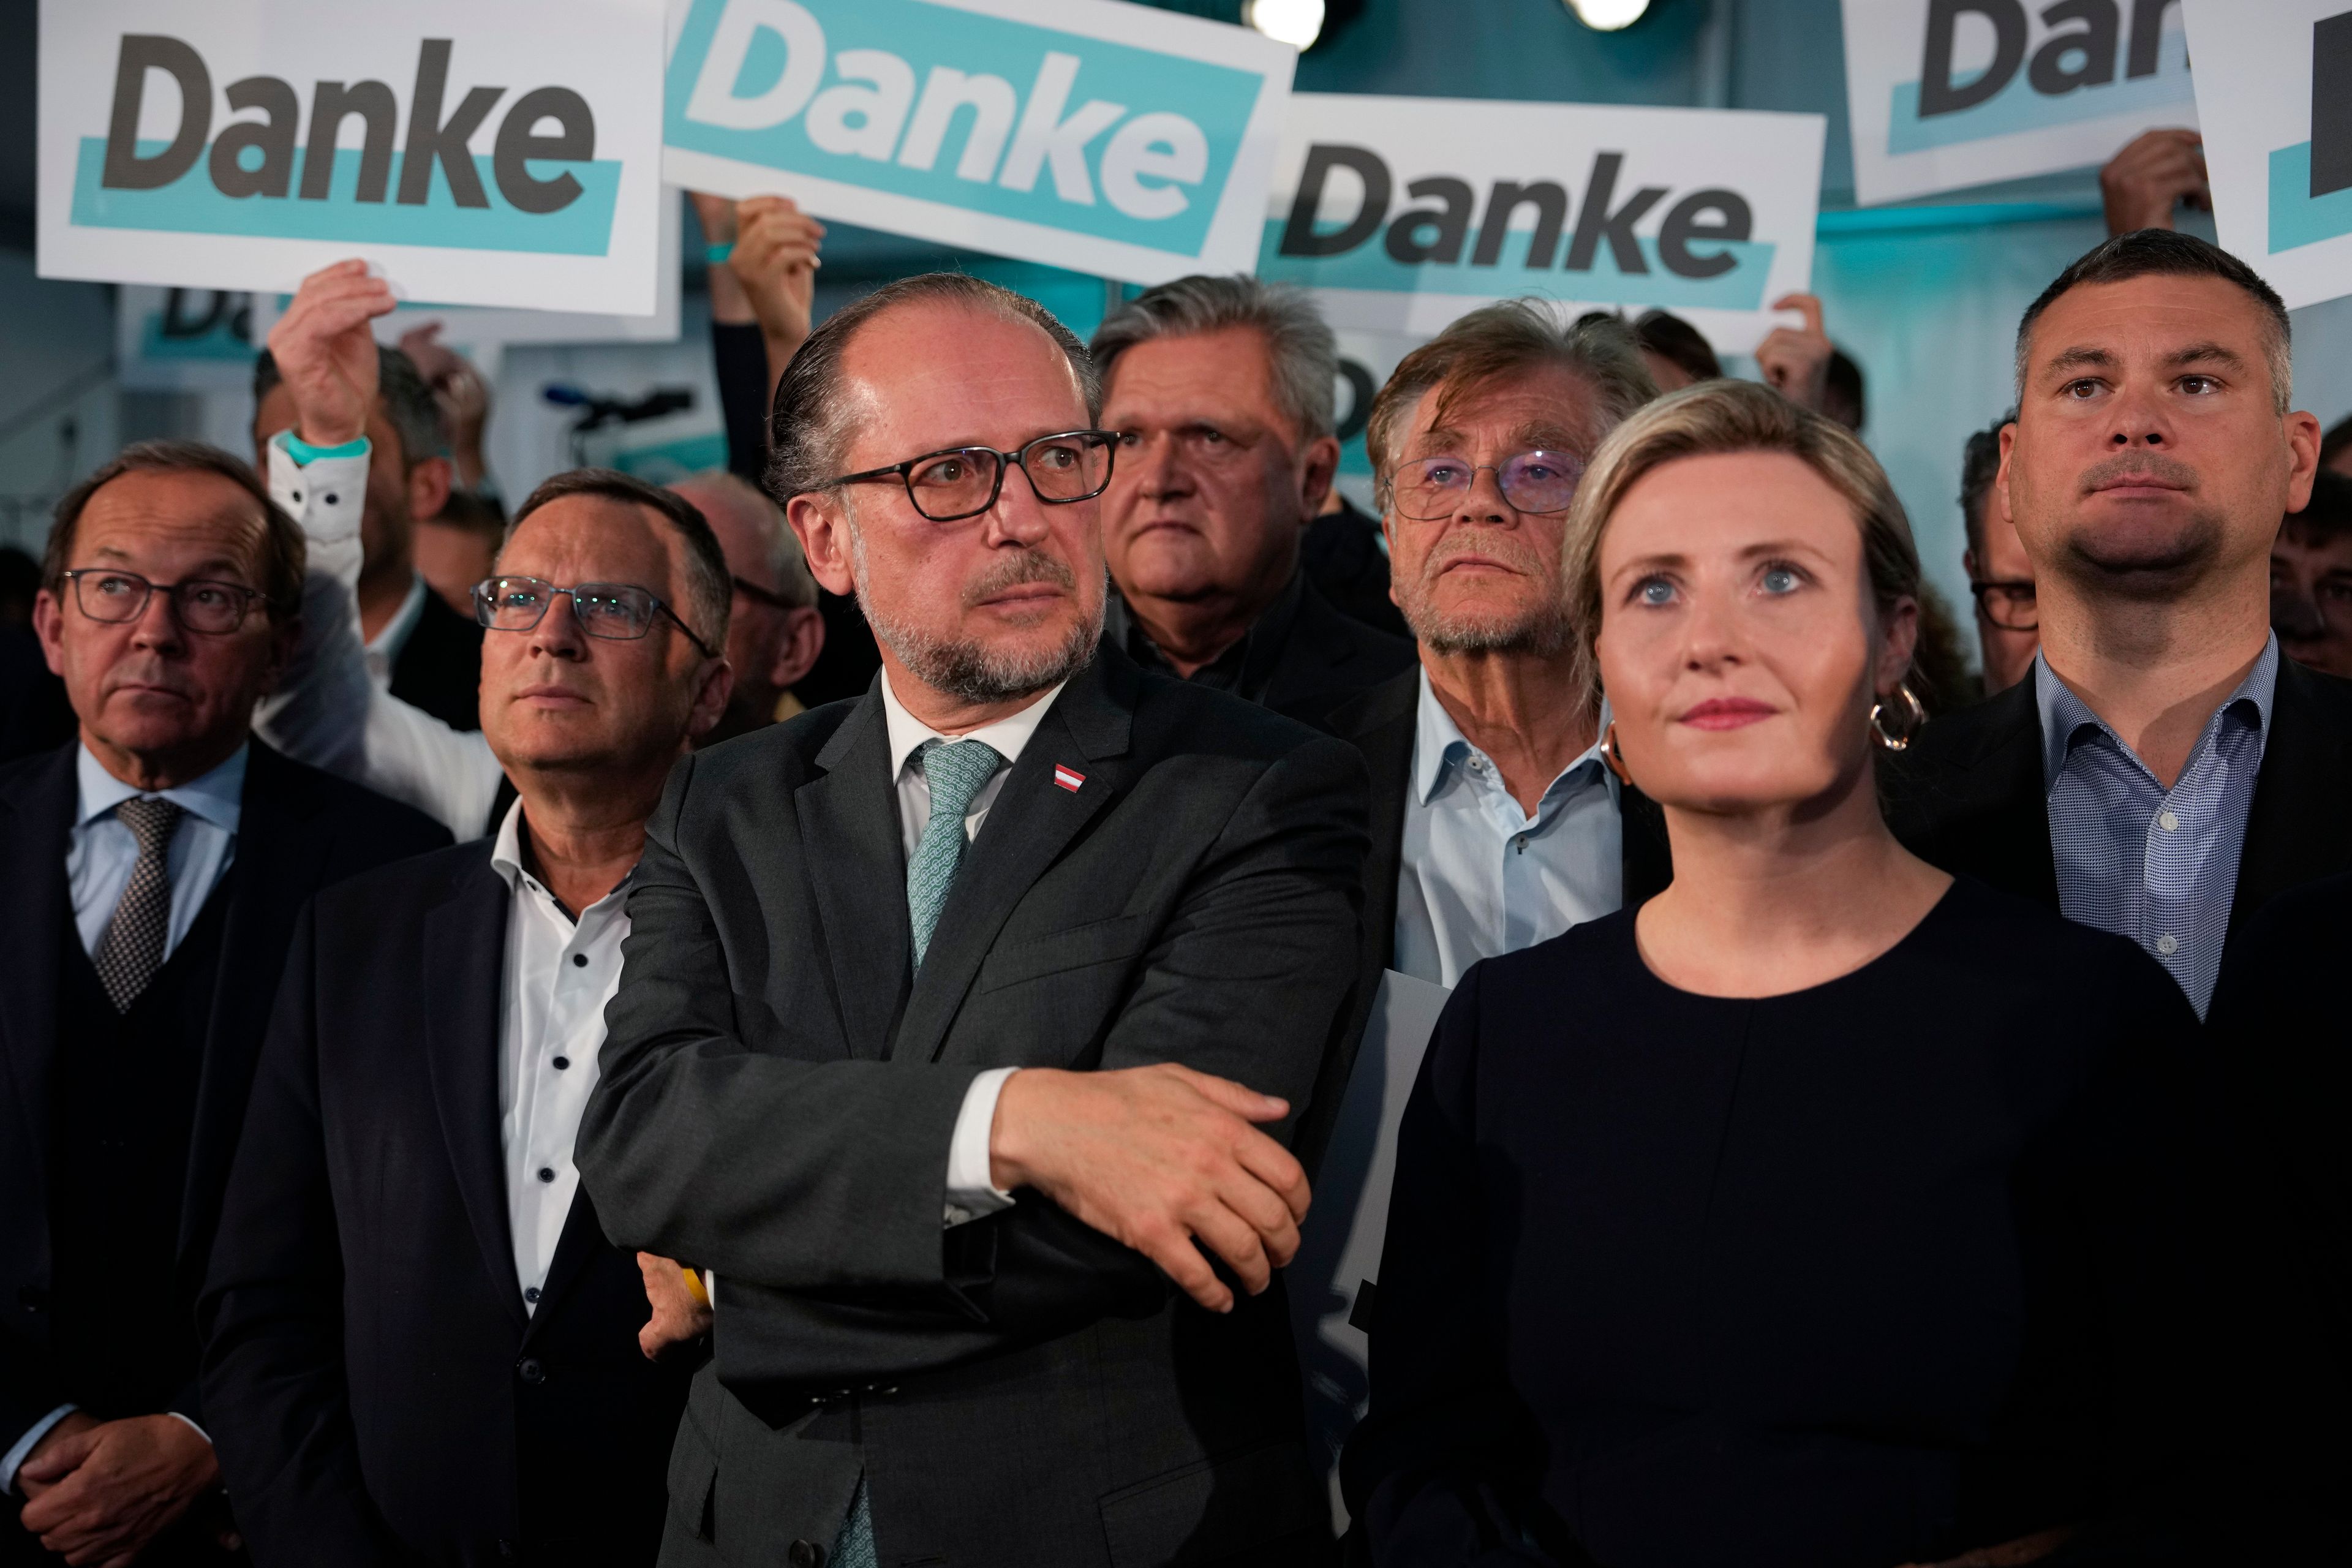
point(217, 796)
point(2066, 717)
point(1439, 747)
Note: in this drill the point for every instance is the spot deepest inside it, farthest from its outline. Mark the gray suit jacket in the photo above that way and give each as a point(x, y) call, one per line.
point(779, 1093)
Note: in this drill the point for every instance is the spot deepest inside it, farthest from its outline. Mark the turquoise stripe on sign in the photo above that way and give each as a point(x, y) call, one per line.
point(1369, 266)
point(2298, 218)
point(2017, 107)
point(191, 204)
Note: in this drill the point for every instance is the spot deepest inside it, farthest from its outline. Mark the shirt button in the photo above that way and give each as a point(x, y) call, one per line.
point(562, 1062)
point(332, 498)
point(2168, 944)
point(580, 960)
point(530, 1294)
point(2166, 820)
point(547, 1173)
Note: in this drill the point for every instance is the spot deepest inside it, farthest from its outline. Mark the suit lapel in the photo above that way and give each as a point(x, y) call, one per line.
point(36, 815)
point(1033, 821)
point(1383, 733)
point(465, 961)
point(581, 1240)
point(2296, 827)
point(849, 842)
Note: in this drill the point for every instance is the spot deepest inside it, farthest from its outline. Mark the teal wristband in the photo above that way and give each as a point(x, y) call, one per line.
point(717, 254)
point(304, 453)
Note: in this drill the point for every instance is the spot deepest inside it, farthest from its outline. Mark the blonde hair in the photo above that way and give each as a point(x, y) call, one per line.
point(1714, 417)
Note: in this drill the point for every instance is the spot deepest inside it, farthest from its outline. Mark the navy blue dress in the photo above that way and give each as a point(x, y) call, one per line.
point(1868, 1274)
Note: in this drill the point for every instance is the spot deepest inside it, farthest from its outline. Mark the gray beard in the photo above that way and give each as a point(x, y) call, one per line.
point(1541, 634)
point(969, 671)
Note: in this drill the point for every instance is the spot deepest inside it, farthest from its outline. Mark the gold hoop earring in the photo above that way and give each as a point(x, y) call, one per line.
point(1609, 757)
point(1914, 716)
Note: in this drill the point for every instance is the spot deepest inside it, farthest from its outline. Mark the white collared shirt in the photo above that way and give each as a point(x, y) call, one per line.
point(559, 974)
point(971, 1191)
point(101, 852)
point(1478, 875)
point(384, 649)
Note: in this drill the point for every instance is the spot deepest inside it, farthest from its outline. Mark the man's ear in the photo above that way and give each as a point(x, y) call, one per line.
point(1322, 466)
point(285, 636)
point(797, 650)
point(49, 626)
point(822, 525)
point(713, 687)
point(429, 483)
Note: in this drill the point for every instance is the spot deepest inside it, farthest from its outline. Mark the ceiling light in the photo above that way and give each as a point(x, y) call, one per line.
point(1298, 23)
point(1608, 15)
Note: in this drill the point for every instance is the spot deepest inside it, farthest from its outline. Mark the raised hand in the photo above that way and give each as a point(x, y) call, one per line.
point(2156, 171)
point(1160, 1158)
point(1795, 360)
point(464, 395)
point(327, 354)
point(775, 260)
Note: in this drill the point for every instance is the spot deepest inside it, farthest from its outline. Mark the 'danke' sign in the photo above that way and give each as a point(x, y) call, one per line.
point(488, 155)
point(2274, 93)
point(1944, 94)
point(1086, 134)
point(1403, 213)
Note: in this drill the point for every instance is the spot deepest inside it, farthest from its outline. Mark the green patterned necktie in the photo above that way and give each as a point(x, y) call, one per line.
point(956, 771)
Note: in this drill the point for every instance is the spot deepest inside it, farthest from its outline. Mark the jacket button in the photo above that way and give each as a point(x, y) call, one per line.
point(531, 1370)
point(32, 1298)
point(805, 1555)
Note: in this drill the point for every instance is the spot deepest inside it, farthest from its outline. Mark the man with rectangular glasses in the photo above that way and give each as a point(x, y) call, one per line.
point(155, 868)
point(420, 1342)
point(963, 1025)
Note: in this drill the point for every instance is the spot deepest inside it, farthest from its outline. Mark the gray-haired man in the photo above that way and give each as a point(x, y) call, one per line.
point(1220, 389)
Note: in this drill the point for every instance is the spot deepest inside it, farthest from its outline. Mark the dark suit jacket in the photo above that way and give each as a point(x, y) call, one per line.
point(779, 1095)
point(34, 713)
point(379, 1392)
point(300, 831)
point(1341, 555)
point(1969, 795)
point(1380, 724)
point(440, 669)
point(1303, 658)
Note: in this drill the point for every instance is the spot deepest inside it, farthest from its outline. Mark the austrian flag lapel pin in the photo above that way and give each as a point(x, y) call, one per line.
point(1067, 777)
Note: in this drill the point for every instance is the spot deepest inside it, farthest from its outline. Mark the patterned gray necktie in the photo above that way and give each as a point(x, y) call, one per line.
point(132, 949)
point(955, 770)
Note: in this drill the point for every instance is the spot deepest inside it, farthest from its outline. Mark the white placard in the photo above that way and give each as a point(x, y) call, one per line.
point(1086, 134)
point(2274, 94)
point(1403, 213)
point(1347, 1226)
point(505, 155)
point(1944, 94)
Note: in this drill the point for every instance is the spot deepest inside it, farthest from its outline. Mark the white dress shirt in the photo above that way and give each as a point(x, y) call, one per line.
point(1478, 875)
point(331, 710)
point(101, 854)
point(971, 1190)
point(559, 974)
point(384, 648)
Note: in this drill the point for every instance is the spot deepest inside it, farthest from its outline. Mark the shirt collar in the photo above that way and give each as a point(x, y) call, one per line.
point(1008, 737)
point(506, 859)
point(1439, 745)
point(2066, 717)
point(217, 796)
point(393, 637)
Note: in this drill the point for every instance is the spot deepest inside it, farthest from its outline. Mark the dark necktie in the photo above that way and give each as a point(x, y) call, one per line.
point(132, 949)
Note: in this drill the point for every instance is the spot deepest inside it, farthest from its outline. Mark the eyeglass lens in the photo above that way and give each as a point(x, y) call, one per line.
point(957, 484)
point(2012, 606)
point(1538, 481)
point(201, 606)
point(620, 610)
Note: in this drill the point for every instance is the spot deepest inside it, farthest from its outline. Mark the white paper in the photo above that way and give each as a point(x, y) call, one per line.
point(207, 190)
point(1945, 94)
point(1714, 210)
point(1088, 135)
point(2275, 96)
point(1340, 1245)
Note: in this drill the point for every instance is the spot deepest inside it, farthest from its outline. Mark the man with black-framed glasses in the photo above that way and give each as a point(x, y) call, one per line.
point(156, 866)
point(2000, 573)
point(415, 1111)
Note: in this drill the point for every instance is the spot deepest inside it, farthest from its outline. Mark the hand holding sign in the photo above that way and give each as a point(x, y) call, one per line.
point(775, 260)
point(1795, 360)
point(327, 354)
point(2156, 171)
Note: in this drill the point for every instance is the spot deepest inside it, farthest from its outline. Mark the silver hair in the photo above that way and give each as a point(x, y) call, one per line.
point(1300, 350)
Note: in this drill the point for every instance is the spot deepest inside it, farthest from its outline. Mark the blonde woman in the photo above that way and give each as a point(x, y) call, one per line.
point(1822, 1211)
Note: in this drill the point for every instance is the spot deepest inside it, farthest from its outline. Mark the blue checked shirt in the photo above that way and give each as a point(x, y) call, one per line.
point(2159, 867)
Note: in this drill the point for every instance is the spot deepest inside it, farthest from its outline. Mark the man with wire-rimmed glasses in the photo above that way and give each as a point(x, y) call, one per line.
point(155, 866)
point(964, 1023)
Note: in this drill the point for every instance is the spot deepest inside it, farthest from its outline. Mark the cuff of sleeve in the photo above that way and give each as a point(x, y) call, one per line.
point(16, 1457)
point(304, 453)
point(190, 1422)
point(971, 1191)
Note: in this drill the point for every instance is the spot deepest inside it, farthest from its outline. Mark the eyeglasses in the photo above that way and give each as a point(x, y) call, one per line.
point(2007, 603)
point(759, 596)
point(618, 612)
point(964, 481)
point(1428, 489)
point(199, 604)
